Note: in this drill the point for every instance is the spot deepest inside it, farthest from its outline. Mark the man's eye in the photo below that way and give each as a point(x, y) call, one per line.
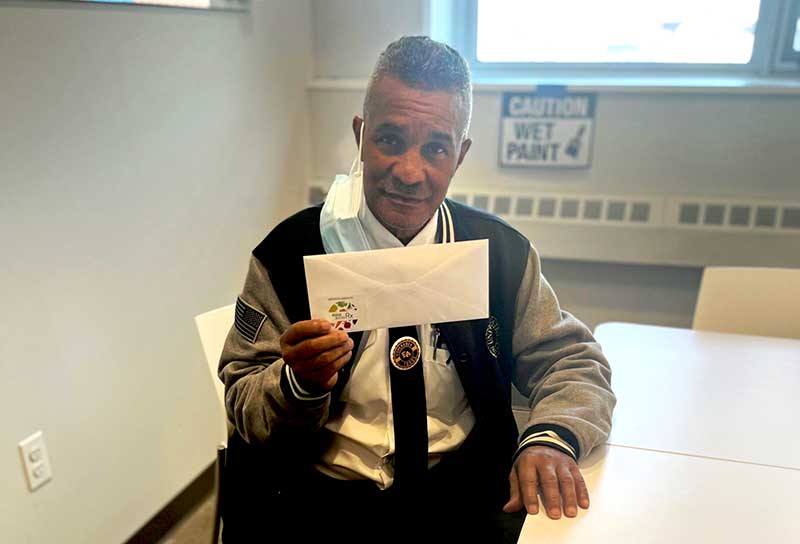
point(386, 139)
point(436, 150)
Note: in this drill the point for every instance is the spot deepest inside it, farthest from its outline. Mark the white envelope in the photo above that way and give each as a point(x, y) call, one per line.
point(434, 283)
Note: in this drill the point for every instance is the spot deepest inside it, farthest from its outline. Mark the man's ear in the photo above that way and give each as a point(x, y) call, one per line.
point(465, 145)
point(357, 122)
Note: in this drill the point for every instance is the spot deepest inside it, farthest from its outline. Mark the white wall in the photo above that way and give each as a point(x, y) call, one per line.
point(143, 153)
point(349, 34)
point(712, 145)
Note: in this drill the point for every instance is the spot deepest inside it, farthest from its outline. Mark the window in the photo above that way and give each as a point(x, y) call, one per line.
point(665, 31)
point(628, 37)
point(796, 41)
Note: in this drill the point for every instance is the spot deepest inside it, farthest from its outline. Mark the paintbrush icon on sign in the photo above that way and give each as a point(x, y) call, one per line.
point(574, 145)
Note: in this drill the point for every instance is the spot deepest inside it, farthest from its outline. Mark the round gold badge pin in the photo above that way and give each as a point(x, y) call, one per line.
point(405, 353)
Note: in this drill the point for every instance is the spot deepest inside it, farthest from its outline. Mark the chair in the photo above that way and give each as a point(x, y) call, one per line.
point(756, 301)
point(213, 328)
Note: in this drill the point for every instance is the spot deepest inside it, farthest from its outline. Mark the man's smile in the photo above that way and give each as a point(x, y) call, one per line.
point(403, 200)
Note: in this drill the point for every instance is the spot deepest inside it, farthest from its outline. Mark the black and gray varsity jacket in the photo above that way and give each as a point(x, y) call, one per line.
point(529, 342)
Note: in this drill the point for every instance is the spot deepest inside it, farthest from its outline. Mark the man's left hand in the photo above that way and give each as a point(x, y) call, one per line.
point(558, 476)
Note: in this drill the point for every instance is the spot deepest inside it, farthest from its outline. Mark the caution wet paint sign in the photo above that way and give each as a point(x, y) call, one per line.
point(547, 128)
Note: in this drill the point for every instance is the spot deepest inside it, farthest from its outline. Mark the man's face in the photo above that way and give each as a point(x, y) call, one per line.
point(412, 147)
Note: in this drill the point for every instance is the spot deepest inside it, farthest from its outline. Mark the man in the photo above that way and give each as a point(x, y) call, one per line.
point(314, 452)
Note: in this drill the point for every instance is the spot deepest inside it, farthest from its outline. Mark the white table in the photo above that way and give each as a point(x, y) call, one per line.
point(705, 444)
point(647, 497)
point(724, 396)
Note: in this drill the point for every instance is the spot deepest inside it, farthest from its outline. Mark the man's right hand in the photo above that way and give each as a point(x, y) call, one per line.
point(315, 352)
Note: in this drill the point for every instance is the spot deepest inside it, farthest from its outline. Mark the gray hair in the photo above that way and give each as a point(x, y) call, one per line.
point(428, 65)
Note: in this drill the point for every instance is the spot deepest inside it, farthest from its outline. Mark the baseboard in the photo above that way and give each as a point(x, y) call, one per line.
point(169, 516)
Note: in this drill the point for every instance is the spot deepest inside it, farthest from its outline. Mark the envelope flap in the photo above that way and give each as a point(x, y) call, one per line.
point(397, 267)
point(327, 265)
point(476, 249)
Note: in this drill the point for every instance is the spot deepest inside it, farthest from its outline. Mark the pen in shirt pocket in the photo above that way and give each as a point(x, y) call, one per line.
point(438, 342)
point(435, 337)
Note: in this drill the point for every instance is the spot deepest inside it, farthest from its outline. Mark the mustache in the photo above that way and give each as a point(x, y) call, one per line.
point(398, 188)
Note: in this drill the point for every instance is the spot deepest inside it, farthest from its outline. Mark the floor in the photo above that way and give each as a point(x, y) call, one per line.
point(195, 528)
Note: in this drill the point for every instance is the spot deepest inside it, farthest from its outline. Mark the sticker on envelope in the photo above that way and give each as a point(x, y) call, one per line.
point(343, 313)
point(375, 289)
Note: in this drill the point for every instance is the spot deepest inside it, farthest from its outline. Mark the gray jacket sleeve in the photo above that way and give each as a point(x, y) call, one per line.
point(559, 366)
point(258, 399)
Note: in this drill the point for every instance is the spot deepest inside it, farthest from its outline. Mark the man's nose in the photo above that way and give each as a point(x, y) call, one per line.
point(409, 168)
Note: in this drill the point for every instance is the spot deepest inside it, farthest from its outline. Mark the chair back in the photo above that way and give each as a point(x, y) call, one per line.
point(213, 328)
point(756, 301)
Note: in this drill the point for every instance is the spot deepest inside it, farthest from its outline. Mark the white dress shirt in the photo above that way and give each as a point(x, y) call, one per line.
point(362, 434)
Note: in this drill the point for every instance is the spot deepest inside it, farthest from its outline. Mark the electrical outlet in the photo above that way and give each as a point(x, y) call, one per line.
point(35, 461)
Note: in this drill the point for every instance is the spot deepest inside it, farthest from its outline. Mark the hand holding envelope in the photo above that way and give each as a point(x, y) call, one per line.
point(365, 290)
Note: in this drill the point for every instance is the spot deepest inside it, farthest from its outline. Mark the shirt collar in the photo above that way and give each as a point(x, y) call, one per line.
point(380, 238)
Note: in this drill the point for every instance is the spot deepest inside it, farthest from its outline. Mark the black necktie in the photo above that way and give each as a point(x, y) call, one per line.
point(409, 409)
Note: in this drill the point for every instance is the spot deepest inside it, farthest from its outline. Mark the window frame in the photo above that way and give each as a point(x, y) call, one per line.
point(771, 38)
point(788, 58)
point(214, 5)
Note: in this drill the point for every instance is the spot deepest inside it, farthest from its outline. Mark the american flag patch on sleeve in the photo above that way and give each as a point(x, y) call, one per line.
point(248, 320)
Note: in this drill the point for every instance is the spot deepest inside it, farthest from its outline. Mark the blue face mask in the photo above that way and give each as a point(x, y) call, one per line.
point(339, 225)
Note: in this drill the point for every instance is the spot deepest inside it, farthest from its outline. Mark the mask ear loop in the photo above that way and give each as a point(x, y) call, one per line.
point(357, 165)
